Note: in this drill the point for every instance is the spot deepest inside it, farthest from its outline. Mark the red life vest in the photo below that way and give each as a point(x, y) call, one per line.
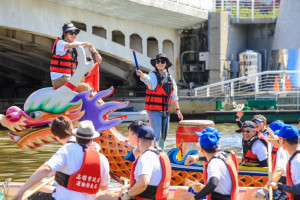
point(159, 99)
point(87, 179)
point(231, 164)
point(63, 64)
point(289, 180)
point(248, 155)
point(162, 190)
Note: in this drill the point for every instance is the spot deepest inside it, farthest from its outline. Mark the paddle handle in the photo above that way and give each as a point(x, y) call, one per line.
point(270, 168)
point(135, 59)
point(38, 188)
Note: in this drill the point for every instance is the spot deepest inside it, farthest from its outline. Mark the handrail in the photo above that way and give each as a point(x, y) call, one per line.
point(252, 83)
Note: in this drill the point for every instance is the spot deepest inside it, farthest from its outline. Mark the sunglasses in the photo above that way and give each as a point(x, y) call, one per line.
point(73, 32)
point(160, 61)
point(256, 122)
point(247, 131)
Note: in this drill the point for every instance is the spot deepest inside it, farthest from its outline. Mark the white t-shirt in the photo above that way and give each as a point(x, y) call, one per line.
point(295, 169)
point(217, 168)
point(260, 150)
point(149, 164)
point(68, 159)
point(282, 158)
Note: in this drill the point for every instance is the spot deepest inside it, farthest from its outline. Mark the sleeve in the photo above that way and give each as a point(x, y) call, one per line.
point(150, 80)
point(281, 159)
point(60, 48)
point(146, 168)
point(209, 188)
point(293, 189)
point(260, 150)
point(105, 178)
point(174, 96)
point(57, 161)
point(239, 123)
point(213, 169)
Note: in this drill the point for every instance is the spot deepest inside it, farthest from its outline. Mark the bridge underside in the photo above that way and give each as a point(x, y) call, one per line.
point(24, 66)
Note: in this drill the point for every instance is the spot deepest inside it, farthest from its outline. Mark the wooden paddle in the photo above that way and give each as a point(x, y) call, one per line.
point(38, 188)
point(270, 168)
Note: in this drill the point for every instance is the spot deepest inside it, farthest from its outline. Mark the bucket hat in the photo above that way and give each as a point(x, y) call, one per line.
point(158, 56)
point(69, 27)
point(85, 130)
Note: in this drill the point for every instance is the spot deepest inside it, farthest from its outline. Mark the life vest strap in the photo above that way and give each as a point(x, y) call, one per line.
point(62, 178)
point(149, 193)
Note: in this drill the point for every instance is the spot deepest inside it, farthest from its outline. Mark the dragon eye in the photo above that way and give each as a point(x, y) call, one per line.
point(35, 115)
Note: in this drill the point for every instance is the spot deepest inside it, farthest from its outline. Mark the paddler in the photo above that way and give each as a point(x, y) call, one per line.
point(220, 172)
point(289, 140)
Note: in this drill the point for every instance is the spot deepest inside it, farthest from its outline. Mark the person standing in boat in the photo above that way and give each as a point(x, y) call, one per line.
point(289, 140)
point(80, 171)
point(255, 152)
point(64, 57)
point(151, 172)
point(160, 93)
point(220, 172)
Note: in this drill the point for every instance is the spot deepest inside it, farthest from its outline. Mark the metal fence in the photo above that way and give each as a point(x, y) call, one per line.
point(208, 5)
point(265, 83)
point(249, 8)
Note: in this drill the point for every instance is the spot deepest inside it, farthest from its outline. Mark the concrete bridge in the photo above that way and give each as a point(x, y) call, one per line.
point(115, 27)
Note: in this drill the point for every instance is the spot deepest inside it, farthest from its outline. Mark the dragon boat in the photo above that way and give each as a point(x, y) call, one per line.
point(113, 191)
point(29, 128)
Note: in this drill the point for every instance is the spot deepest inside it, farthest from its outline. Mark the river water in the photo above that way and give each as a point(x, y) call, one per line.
point(18, 164)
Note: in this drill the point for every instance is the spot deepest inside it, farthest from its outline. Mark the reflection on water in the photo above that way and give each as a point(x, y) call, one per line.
point(18, 164)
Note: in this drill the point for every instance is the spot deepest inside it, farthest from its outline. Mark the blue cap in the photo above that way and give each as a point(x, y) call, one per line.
point(289, 132)
point(275, 126)
point(145, 132)
point(209, 139)
point(209, 130)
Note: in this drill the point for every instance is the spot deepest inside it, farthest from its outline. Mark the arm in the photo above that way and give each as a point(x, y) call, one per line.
point(36, 177)
point(238, 117)
point(209, 188)
point(293, 189)
point(140, 186)
point(178, 110)
point(149, 79)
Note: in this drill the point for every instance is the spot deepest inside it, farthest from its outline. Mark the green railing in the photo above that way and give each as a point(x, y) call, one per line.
point(249, 8)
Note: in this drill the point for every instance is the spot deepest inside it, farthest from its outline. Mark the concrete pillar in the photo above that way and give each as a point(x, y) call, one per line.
point(218, 41)
point(144, 42)
point(287, 26)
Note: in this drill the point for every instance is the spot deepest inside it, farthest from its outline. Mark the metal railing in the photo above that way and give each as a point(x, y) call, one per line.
point(208, 5)
point(249, 8)
point(265, 83)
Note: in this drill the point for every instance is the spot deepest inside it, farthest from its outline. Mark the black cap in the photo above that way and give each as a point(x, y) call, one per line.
point(245, 125)
point(158, 56)
point(145, 132)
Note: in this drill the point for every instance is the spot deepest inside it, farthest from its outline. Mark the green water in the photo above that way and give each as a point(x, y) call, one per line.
point(19, 164)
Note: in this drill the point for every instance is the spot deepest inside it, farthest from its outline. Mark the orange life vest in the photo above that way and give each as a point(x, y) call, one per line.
point(162, 190)
point(87, 179)
point(248, 155)
point(289, 180)
point(159, 99)
point(63, 64)
point(231, 164)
